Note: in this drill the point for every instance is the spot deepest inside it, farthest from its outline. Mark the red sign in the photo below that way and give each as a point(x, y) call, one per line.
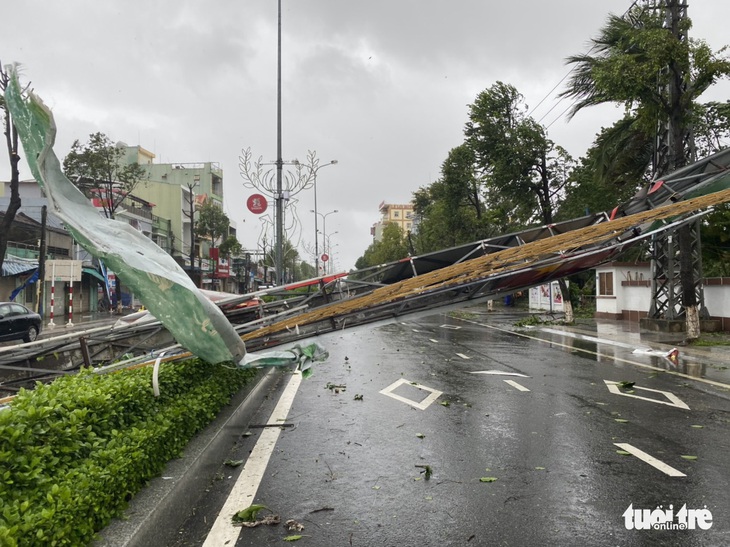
point(325, 257)
point(257, 204)
point(222, 266)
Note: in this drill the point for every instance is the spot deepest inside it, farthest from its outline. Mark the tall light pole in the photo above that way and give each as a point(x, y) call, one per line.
point(324, 231)
point(316, 236)
point(328, 249)
point(279, 208)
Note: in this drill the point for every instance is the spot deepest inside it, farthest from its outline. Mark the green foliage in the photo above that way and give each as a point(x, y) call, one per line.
point(452, 210)
point(99, 169)
point(634, 62)
point(715, 230)
point(74, 452)
point(212, 222)
point(525, 173)
point(249, 513)
point(306, 271)
point(391, 247)
point(231, 246)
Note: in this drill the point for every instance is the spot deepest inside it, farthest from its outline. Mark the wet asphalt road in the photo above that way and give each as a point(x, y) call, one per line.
point(350, 462)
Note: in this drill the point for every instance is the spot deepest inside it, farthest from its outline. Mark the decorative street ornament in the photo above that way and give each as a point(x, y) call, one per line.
point(257, 204)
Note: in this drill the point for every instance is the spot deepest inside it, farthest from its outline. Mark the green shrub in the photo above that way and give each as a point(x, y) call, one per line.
point(74, 452)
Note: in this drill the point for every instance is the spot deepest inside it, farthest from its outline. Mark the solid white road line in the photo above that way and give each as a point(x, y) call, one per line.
point(242, 496)
point(516, 385)
point(651, 460)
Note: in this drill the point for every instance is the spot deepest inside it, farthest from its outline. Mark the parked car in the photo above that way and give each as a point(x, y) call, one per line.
point(17, 321)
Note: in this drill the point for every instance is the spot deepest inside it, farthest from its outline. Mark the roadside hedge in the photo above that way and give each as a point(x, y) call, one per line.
point(74, 452)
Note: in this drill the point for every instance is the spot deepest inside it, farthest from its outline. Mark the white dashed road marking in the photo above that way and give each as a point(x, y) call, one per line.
point(651, 460)
point(516, 385)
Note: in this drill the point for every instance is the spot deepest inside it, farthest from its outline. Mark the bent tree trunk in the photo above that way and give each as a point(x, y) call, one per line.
point(687, 279)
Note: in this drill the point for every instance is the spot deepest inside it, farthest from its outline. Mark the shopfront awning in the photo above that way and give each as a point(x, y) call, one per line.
point(95, 274)
point(17, 267)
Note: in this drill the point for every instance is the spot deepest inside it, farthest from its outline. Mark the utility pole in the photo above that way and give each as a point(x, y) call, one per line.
point(191, 214)
point(40, 293)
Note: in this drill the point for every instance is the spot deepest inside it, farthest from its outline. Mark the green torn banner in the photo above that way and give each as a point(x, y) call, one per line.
point(158, 281)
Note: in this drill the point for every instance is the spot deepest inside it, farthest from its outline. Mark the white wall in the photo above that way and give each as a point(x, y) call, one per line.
point(717, 300)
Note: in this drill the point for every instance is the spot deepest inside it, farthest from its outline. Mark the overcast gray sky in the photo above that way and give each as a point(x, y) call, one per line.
point(382, 86)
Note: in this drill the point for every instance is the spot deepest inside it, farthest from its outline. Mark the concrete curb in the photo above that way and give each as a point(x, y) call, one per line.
point(171, 497)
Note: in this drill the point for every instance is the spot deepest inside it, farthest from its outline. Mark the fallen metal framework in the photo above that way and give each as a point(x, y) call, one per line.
point(448, 278)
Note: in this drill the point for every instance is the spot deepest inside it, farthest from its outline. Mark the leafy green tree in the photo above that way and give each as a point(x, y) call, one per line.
point(231, 246)
point(391, 247)
point(526, 174)
point(306, 271)
point(212, 222)
point(452, 210)
point(99, 171)
point(610, 173)
point(647, 63)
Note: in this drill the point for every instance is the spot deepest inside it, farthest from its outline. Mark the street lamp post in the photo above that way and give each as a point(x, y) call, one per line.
point(324, 231)
point(316, 237)
point(328, 249)
point(279, 202)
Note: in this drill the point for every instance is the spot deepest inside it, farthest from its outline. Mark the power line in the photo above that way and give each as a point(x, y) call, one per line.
point(549, 93)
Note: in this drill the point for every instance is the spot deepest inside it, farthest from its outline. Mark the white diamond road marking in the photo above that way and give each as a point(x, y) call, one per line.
point(452, 327)
point(463, 356)
point(651, 460)
point(516, 385)
point(422, 405)
point(499, 373)
point(613, 387)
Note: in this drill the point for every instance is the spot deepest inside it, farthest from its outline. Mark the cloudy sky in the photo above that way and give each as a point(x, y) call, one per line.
point(381, 86)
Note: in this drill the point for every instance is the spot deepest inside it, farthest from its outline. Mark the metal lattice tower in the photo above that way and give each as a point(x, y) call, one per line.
point(674, 147)
point(666, 302)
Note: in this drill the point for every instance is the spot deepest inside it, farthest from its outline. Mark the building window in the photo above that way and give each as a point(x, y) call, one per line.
point(396, 214)
point(605, 284)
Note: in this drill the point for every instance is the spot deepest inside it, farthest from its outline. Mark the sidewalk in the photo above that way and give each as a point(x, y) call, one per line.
point(709, 363)
point(79, 322)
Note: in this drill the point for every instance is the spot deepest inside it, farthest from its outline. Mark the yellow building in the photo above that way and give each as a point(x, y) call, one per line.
point(401, 214)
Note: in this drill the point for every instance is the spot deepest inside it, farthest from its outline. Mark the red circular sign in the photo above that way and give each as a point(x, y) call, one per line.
point(325, 257)
point(257, 204)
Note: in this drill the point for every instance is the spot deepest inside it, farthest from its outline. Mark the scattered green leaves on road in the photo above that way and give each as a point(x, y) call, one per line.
point(249, 513)
point(427, 470)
